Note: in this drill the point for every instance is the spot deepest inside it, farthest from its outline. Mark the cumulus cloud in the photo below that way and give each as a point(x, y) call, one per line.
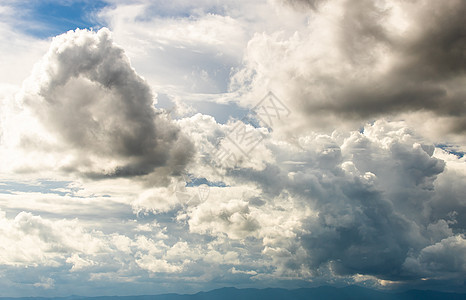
point(441, 260)
point(29, 240)
point(90, 108)
point(343, 204)
point(233, 218)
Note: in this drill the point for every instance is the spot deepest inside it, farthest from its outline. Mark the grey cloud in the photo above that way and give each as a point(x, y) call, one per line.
point(449, 199)
point(101, 111)
point(379, 201)
point(359, 66)
point(362, 30)
point(437, 51)
point(441, 260)
point(428, 61)
point(428, 56)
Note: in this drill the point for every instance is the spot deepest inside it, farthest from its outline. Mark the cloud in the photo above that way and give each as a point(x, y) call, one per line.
point(352, 203)
point(233, 218)
point(57, 254)
point(360, 61)
point(193, 53)
point(29, 240)
point(46, 283)
point(332, 205)
point(15, 45)
point(336, 207)
point(442, 260)
point(96, 114)
point(337, 202)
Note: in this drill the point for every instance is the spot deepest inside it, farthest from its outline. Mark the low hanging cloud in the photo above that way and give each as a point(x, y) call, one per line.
point(96, 114)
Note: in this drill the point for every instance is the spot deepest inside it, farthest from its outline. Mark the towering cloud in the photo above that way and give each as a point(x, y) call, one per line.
point(97, 114)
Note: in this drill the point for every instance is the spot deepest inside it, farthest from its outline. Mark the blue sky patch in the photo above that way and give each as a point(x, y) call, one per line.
point(451, 149)
point(50, 18)
point(45, 187)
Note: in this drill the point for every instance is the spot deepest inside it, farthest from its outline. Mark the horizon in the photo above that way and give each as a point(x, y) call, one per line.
point(310, 292)
point(183, 146)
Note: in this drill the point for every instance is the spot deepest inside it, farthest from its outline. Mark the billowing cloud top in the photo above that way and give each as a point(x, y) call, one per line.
point(96, 113)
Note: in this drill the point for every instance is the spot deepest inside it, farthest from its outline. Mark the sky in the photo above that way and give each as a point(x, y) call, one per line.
point(180, 146)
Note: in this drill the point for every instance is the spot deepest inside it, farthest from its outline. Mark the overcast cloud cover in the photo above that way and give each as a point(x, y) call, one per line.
point(114, 177)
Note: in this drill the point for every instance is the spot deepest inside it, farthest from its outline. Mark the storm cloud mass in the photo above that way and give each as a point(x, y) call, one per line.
point(363, 60)
point(147, 156)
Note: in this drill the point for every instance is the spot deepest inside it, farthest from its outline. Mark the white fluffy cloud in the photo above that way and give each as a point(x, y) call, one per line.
point(29, 240)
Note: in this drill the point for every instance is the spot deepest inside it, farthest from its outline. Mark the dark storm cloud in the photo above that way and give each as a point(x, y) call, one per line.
point(361, 28)
point(100, 111)
point(437, 52)
point(370, 227)
point(361, 231)
point(372, 59)
point(428, 57)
